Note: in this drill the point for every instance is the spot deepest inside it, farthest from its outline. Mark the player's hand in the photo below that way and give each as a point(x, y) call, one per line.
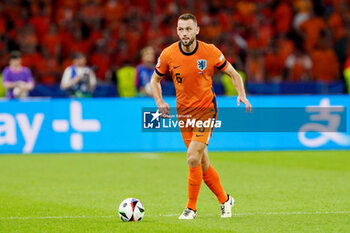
point(164, 109)
point(248, 106)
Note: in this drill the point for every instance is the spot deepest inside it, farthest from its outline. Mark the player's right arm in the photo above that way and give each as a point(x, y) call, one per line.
point(159, 71)
point(163, 107)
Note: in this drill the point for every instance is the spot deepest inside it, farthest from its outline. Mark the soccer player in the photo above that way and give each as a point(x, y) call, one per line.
point(78, 79)
point(17, 79)
point(192, 64)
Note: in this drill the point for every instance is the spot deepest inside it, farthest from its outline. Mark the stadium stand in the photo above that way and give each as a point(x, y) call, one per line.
point(256, 36)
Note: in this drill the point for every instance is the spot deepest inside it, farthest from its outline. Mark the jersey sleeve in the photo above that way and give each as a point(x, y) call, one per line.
point(219, 59)
point(162, 64)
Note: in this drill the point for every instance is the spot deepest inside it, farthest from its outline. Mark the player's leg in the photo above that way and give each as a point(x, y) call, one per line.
point(212, 180)
point(205, 161)
point(195, 177)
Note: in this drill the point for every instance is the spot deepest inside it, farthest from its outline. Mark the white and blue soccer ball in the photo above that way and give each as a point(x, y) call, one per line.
point(131, 210)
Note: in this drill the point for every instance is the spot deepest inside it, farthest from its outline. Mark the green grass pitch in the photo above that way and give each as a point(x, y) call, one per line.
point(275, 192)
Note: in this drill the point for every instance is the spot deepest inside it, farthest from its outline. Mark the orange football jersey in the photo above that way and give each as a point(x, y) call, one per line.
point(192, 72)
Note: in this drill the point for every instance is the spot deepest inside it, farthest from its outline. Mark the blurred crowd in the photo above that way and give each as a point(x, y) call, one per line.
point(266, 40)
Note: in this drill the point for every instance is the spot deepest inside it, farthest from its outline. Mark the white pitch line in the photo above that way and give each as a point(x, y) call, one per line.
point(293, 213)
point(274, 213)
point(172, 215)
point(55, 217)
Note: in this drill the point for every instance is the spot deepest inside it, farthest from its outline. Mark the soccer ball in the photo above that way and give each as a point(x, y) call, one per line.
point(131, 210)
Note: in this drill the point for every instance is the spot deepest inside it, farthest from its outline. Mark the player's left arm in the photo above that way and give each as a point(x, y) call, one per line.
point(238, 83)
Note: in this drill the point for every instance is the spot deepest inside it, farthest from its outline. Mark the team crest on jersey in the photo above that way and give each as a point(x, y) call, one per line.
point(201, 64)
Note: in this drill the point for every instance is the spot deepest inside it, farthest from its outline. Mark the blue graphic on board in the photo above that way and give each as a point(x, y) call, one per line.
point(115, 125)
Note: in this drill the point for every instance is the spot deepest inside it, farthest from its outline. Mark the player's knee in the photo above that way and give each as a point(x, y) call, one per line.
point(193, 159)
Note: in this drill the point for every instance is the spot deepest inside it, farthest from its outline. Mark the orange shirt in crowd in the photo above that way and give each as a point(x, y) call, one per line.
point(285, 48)
point(326, 65)
point(113, 11)
point(2, 25)
point(254, 67)
point(46, 70)
point(299, 67)
point(102, 62)
point(52, 42)
point(312, 28)
point(336, 24)
point(283, 16)
point(31, 60)
point(274, 66)
point(41, 24)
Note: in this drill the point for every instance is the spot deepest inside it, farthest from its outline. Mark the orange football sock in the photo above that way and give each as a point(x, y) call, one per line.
point(212, 180)
point(195, 177)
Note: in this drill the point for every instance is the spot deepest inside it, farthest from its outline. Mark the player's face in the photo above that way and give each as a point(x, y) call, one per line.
point(187, 30)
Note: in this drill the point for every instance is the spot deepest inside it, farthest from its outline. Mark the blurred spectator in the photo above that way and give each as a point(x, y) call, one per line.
point(255, 66)
point(2, 88)
point(112, 32)
point(126, 77)
point(298, 66)
point(346, 74)
point(285, 46)
point(78, 79)
point(47, 68)
point(52, 40)
point(326, 65)
point(144, 71)
point(273, 64)
point(31, 57)
point(228, 86)
point(311, 30)
point(302, 9)
point(17, 79)
point(100, 59)
point(283, 16)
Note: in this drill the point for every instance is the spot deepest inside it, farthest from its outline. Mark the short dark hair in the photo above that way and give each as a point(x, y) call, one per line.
point(15, 54)
point(188, 16)
point(77, 55)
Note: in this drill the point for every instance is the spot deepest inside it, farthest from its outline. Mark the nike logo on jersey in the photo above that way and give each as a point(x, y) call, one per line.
point(175, 67)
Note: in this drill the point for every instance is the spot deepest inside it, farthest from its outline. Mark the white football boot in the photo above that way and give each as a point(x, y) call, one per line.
point(226, 207)
point(188, 214)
